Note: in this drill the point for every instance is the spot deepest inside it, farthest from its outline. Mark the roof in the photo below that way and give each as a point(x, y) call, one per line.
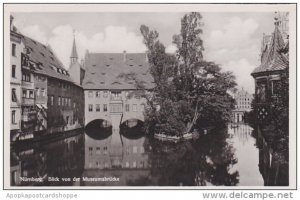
point(74, 51)
point(103, 71)
point(242, 93)
point(49, 63)
point(273, 59)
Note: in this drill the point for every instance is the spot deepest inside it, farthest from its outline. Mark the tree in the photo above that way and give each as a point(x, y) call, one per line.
point(188, 89)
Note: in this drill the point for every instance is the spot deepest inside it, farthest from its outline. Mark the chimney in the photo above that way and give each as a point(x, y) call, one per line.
point(124, 56)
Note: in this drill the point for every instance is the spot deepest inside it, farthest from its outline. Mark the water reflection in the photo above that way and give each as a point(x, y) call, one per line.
point(116, 156)
point(59, 158)
point(225, 156)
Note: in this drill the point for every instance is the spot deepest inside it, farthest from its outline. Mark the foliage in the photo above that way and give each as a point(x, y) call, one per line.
point(188, 89)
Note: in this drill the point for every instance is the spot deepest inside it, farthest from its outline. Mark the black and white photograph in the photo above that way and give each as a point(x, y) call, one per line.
point(164, 96)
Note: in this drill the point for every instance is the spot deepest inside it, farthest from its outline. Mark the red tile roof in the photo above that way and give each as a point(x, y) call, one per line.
point(103, 71)
point(273, 58)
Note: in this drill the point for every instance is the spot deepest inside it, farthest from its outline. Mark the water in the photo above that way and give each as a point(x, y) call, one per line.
point(222, 157)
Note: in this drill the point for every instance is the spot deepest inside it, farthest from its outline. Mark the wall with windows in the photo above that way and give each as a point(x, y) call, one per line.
point(16, 47)
point(99, 104)
point(65, 105)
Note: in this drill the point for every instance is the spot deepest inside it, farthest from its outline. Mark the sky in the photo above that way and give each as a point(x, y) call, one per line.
point(232, 40)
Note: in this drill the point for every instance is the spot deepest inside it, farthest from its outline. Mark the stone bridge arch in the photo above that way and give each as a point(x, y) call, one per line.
point(90, 118)
point(128, 116)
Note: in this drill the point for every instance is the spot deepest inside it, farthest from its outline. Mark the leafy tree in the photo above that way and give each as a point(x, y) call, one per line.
point(188, 89)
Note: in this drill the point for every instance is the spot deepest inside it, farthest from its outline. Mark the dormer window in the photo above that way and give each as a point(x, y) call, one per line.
point(107, 65)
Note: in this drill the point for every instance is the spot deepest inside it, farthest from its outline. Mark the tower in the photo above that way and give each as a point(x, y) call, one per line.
point(74, 55)
point(76, 70)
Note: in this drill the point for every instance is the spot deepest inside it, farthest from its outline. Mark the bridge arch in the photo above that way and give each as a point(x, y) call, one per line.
point(131, 116)
point(89, 119)
point(98, 129)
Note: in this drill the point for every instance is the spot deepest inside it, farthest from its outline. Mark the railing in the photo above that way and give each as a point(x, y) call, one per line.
point(112, 98)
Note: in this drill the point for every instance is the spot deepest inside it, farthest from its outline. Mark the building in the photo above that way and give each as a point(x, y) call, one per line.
point(110, 87)
point(274, 63)
point(17, 47)
point(58, 99)
point(45, 97)
point(243, 104)
point(269, 76)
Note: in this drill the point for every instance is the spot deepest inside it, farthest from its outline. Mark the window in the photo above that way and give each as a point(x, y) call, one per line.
point(67, 119)
point(97, 107)
point(98, 150)
point(90, 107)
point(13, 95)
point(69, 101)
point(26, 77)
point(91, 151)
point(104, 107)
point(37, 91)
point(127, 107)
point(24, 93)
point(13, 117)
point(13, 71)
point(31, 94)
point(59, 101)
point(90, 94)
point(134, 108)
point(97, 94)
point(13, 49)
point(66, 101)
point(105, 150)
point(105, 94)
point(43, 92)
point(62, 101)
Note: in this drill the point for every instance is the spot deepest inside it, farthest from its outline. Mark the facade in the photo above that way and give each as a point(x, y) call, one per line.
point(17, 47)
point(110, 89)
point(59, 100)
point(274, 63)
point(45, 98)
point(243, 104)
point(269, 76)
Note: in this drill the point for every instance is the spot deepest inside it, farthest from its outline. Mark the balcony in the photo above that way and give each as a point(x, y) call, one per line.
point(115, 98)
point(27, 101)
point(28, 85)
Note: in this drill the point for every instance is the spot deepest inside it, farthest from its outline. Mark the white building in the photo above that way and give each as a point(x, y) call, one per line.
point(243, 104)
point(108, 94)
point(17, 48)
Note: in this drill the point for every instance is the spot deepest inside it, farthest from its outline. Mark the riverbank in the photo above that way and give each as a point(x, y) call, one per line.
point(46, 138)
point(175, 139)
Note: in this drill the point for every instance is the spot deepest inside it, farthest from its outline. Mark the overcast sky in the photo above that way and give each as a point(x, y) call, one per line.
point(230, 39)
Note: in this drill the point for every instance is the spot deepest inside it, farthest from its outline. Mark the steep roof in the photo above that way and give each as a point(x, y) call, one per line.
point(74, 50)
point(50, 65)
point(273, 58)
point(103, 71)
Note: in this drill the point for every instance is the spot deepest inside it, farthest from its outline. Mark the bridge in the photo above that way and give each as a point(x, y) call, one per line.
point(114, 117)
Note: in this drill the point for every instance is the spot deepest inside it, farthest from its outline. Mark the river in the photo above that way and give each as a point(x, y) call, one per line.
point(227, 156)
